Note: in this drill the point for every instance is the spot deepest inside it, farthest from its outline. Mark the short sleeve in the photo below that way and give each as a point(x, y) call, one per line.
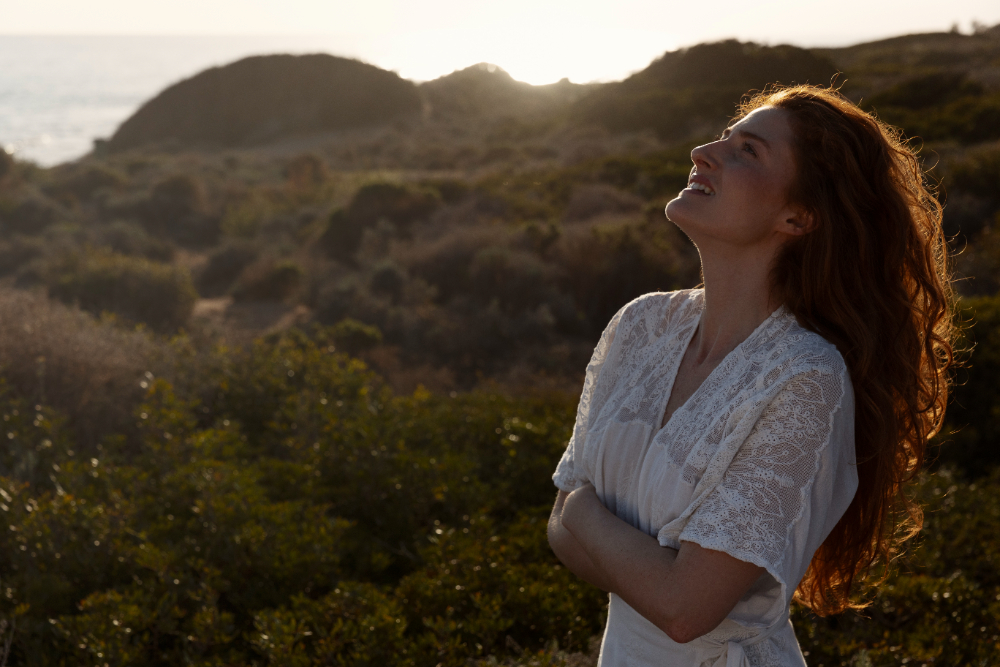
point(568, 474)
point(789, 483)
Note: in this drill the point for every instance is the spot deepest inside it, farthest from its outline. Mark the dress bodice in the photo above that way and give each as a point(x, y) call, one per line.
point(758, 463)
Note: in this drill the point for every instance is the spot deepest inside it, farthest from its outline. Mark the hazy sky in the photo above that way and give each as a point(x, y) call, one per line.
point(538, 41)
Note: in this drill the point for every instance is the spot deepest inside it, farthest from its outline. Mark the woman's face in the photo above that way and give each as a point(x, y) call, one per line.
point(737, 193)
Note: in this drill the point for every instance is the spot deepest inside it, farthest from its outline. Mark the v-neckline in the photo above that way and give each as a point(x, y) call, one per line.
point(680, 360)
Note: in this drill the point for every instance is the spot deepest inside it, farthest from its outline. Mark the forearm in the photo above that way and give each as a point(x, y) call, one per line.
point(631, 563)
point(570, 552)
point(685, 592)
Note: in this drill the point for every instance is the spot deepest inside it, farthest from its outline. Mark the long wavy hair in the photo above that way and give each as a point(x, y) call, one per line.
point(872, 277)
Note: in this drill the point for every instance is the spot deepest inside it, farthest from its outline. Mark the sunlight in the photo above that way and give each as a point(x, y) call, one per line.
point(531, 53)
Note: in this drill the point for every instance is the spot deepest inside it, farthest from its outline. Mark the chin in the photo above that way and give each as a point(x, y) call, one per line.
point(675, 211)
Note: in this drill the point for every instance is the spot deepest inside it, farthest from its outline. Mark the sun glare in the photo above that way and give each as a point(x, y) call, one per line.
point(533, 54)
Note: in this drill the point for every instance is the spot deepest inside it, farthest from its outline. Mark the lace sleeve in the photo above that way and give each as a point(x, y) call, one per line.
point(789, 483)
point(568, 474)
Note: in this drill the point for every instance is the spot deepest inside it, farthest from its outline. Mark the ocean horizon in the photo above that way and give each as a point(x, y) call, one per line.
point(59, 93)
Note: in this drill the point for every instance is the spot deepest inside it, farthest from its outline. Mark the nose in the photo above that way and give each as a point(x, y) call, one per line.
point(702, 156)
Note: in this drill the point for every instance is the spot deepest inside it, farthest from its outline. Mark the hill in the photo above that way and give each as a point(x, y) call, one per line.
point(263, 98)
point(488, 90)
point(874, 66)
point(687, 90)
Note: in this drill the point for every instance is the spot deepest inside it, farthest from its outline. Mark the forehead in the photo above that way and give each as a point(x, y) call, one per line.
point(771, 123)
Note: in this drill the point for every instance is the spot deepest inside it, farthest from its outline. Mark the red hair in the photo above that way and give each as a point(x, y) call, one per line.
point(873, 279)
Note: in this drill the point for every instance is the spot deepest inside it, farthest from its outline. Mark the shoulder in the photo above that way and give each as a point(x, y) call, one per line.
point(661, 310)
point(806, 364)
point(806, 350)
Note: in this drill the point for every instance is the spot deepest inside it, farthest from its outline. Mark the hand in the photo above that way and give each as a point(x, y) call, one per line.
point(581, 510)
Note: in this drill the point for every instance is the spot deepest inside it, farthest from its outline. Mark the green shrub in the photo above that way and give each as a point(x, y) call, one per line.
point(398, 205)
point(941, 604)
point(352, 336)
point(977, 171)
point(969, 119)
point(18, 251)
point(178, 207)
point(243, 219)
point(604, 267)
point(128, 238)
point(388, 280)
point(135, 289)
point(269, 280)
point(517, 280)
point(224, 266)
point(88, 370)
point(82, 182)
point(28, 213)
point(970, 441)
point(924, 92)
point(342, 236)
point(285, 508)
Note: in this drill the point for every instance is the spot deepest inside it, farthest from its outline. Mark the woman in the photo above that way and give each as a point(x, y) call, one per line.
point(747, 442)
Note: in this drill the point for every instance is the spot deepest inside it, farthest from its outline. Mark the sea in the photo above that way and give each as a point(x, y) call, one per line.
point(59, 93)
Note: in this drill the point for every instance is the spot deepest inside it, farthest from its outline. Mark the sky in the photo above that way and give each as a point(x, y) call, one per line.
point(538, 41)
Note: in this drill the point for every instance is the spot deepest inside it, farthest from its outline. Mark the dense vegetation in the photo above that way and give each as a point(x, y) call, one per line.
point(297, 406)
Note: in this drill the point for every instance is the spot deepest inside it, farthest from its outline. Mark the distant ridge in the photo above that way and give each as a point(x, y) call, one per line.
point(698, 85)
point(488, 90)
point(265, 98)
point(683, 94)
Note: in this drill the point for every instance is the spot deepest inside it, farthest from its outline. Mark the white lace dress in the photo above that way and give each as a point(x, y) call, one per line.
point(758, 463)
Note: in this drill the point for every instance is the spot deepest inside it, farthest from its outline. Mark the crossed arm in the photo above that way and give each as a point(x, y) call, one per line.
point(685, 592)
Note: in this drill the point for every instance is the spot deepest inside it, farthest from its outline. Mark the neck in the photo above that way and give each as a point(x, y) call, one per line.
point(737, 299)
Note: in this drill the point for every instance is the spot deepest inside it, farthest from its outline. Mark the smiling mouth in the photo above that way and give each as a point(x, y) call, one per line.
point(698, 187)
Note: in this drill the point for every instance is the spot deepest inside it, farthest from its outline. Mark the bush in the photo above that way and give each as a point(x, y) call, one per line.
point(605, 266)
point(388, 280)
point(285, 508)
point(970, 440)
point(127, 238)
point(941, 605)
point(28, 214)
point(976, 172)
point(136, 289)
point(445, 262)
point(75, 183)
point(178, 208)
point(18, 251)
point(224, 266)
point(342, 237)
point(516, 280)
point(924, 92)
point(353, 337)
point(941, 107)
point(269, 280)
point(589, 201)
point(89, 371)
point(398, 205)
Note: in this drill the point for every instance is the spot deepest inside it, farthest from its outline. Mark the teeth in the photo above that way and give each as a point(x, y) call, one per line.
point(704, 188)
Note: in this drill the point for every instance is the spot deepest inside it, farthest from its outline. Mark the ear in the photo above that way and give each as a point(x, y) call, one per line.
point(798, 221)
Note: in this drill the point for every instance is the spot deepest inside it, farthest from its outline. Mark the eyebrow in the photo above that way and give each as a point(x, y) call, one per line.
point(749, 135)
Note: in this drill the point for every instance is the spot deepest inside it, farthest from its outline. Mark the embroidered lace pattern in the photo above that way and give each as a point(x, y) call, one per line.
point(762, 494)
point(566, 475)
